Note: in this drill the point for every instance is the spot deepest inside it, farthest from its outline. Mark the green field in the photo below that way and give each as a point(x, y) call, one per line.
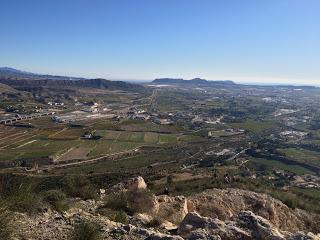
point(51, 140)
point(37, 150)
point(301, 155)
point(277, 165)
point(255, 126)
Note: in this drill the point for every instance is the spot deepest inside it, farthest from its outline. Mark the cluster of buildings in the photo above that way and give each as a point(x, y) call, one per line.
point(293, 135)
point(159, 118)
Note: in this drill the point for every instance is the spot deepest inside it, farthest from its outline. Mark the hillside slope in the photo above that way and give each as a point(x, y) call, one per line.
point(27, 84)
point(215, 214)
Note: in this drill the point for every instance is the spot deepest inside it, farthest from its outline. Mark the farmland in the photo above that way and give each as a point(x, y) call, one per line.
point(62, 143)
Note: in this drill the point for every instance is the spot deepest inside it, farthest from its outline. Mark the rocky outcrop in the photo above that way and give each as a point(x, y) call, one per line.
point(227, 203)
point(53, 225)
point(195, 226)
point(246, 225)
point(259, 227)
point(215, 214)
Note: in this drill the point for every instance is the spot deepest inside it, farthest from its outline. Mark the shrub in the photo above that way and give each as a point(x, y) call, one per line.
point(79, 186)
point(140, 201)
point(155, 222)
point(24, 200)
point(130, 202)
point(117, 201)
point(57, 199)
point(120, 216)
point(169, 179)
point(113, 215)
point(86, 231)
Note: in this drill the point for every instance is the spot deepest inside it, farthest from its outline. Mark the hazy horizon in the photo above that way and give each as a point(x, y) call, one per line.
point(245, 41)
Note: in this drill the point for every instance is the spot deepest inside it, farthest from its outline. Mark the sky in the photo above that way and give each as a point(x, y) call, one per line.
point(266, 41)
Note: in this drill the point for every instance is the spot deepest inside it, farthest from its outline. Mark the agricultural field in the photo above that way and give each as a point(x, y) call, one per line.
point(301, 155)
point(255, 126)
point(46, 141)
point(267, 164)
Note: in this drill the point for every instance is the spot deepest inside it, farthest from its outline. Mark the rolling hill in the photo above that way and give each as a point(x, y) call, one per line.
point(26, 81)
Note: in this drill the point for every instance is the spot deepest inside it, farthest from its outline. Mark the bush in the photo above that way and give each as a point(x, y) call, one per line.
point(86, 231)
point(113, 215)
point(24, 200)
point(155, 222)
point(57, 199)
point(5, 225)
point(169, 179)
point(79, 186)
point(140, 201)
point(117, 201)
point(120, 216)
point(130, 202)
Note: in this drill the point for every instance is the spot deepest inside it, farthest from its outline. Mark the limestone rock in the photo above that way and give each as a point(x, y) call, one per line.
point(172, 209)
point(195, 225)
point(259, 227)
point(132, 184)
point(227, 203)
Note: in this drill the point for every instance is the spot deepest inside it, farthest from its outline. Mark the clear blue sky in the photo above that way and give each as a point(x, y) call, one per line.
point(242, 40)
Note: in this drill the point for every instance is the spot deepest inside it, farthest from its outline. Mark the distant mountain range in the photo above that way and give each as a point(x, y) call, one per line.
point(27, 81)
point(198, 82)
point(7, 72)
point(22, 80)
point(195, 81)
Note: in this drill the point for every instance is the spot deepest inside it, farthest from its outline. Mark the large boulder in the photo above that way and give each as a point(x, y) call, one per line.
point(171, 209)
point(135, 184)
point(132, 184)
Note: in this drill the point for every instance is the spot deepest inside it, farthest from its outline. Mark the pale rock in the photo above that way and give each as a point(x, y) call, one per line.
point(132, 184)
point(172, 209)
point(260, 228)
point(161, 236)
point(208, 227)
point(168, 225)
